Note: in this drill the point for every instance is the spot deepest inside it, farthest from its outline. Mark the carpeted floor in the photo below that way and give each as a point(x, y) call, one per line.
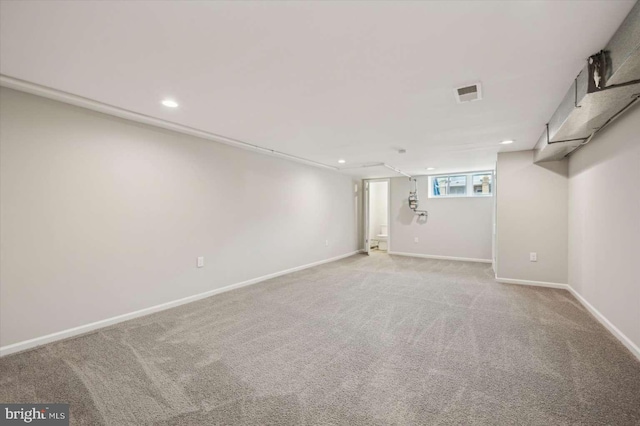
point(362, 341)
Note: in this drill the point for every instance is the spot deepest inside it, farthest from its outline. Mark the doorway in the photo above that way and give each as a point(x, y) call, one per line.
point(377, 236)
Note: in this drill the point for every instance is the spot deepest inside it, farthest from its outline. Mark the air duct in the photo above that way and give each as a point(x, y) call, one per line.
point(606, 87)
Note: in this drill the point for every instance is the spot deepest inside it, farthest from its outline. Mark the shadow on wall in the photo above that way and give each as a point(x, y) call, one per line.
point(557, 167)
point(406, 215)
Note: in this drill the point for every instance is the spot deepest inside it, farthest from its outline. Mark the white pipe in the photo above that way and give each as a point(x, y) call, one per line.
point(396, 170)
point(361, 166)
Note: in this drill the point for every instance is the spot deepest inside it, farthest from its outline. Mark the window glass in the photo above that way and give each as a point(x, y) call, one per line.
point(482, 184)
point(462, 185)
point(457, 185)
point(440, 186)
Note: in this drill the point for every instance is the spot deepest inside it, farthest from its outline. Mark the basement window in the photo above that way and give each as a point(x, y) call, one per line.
point(476, 184)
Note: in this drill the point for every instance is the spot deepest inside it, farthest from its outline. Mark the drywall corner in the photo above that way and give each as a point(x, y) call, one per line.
point(531, 217)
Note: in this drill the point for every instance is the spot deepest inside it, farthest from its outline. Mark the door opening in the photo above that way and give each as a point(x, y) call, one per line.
point(377, 215)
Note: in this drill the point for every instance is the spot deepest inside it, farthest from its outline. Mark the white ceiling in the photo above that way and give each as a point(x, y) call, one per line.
point(321, 80)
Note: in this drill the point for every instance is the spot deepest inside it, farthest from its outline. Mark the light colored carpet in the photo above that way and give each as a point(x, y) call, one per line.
point(362, 341)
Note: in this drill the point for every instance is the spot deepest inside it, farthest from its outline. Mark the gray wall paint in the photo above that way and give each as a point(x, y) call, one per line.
point(531, 217)
point(604, 223)
point(457, 227)
point(102, 216)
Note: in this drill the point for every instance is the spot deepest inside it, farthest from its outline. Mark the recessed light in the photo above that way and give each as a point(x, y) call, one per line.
point(169, 103)
point(341, 161)
point(431, 168)
point(507, 142)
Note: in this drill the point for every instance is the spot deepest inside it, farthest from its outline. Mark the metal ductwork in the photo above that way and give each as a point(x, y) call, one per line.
point(606, 87)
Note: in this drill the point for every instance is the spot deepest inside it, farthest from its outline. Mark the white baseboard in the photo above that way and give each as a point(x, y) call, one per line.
point(533, 283)
point(431, 256)
point(633, 348)
point(71, 332)
point(65, 334)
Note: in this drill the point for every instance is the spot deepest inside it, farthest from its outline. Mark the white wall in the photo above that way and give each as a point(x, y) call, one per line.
point(378, 207)
point(457, 227)
point(604, 223)
point(531, 216)
point(102, 216)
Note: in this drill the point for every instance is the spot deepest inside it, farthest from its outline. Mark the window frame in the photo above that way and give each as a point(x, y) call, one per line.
point(469, 192)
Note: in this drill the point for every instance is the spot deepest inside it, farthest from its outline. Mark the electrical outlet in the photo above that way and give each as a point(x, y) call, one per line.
point(415, 240)
point(326, 243)
point(200, 262)
point(533, 256)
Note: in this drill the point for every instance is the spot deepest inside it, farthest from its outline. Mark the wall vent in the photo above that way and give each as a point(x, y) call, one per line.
point(468, 93)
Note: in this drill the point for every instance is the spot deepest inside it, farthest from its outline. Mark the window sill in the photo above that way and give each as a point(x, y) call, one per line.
point(444, 197)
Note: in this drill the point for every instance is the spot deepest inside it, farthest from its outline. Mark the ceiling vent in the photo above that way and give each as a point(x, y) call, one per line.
point(468, 93)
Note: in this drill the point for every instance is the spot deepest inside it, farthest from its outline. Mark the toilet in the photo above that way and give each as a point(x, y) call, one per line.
point(382, 237)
